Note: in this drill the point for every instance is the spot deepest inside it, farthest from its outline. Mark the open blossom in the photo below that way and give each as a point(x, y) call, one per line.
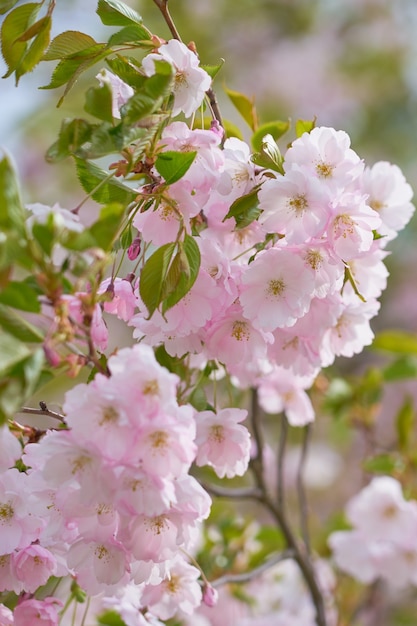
point(10, 448)
point(190, 82)
point(121, 91)
point(123, 301)
point(222, 442)
point(281, 390)
point(34, 612)
point(277, 289)
point(6, 616)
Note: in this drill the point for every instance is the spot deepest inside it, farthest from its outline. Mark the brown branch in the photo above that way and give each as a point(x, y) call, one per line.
point(245, 577)
point(280, 463)
point(163, 7)
point(302, 498)
point(238, 493)
point(43, 410)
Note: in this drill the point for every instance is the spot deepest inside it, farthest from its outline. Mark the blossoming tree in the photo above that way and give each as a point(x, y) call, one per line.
point(241, 271)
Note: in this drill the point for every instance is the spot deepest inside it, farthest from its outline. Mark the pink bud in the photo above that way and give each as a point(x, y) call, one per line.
point(210, 595)
point(134, 249)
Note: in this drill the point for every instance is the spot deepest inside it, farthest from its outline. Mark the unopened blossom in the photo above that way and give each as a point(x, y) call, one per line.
point(121, 92)
point(190, 81)
point(276, 289)
point(222, 442)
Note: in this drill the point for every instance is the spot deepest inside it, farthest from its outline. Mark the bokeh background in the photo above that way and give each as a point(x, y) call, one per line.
point(352, 64)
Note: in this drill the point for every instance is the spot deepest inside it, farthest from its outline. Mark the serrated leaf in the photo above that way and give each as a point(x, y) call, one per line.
point(20, 295)
point(18, 327)
point(185, 266)
point(67, 43)
point(36, 49)
point(404, 423)
point(132, 34)
point(126, 70)
point(116, 13)
point(304, 126)
point(12, 214)
point(33, 30)
point(14, 25)
point(245, 209)
point(98, 102)
point(72, 135)
point(276, 129)
point(93, 180)
point(245, 106)
point(6, 5)
point(173, 165)
point(151, 95)
point(396, 341)
point(152, 276)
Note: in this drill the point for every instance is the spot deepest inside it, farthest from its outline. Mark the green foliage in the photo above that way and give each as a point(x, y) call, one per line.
point(116, 13)
point(101, 186)
point(396, 341)
point(12, 214)
point(98, 102)
point(15, 25)
point(304, 126)
point(173, 165)
point(153, 275)
point(404, 423)
point(20, 295)
point(269, 156)
point(18, 326)
point(245, 209)
point(151, 94)
point(68, 43)
point(245, 106)
point(275, 129)
point(386, 463)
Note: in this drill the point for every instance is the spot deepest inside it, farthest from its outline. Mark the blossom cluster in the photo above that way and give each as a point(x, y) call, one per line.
point(383, 541)
point(109, 500)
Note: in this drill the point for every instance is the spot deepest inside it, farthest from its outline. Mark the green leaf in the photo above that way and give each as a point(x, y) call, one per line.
point(6, 5)
point(152, 276)
point(36, 49)
point(17, 326)
point(110, 618)
point(12, 214)
point(68, 43)
point(245, 209)
point(11, 352)
point(105, 230)
point(151, 94)
point(173, 165)
point(401, 369)
point(269, 156)
point(103, 190)
point(182, 273)
point(396, 341)
point(98, 102)
point(275, 129)
point(20, 295)
point(72, 135)
point(116, 13)
point(132, 34)
point(404, 423)
point(127, 70)
point(44, 234)
point(304, 126)
point(245, 106)
point(213, 70)
point(19, 383)
point(384, 464)
point(15, 24)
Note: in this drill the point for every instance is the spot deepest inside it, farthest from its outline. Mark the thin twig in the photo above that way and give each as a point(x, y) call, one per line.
point(280, 463)
point(43, 410)
point(245, 577)
point(302, 498)
point(238, 493)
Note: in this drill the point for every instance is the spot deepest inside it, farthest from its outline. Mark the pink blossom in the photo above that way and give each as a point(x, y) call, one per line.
point(283, 391)
point(121, 91)
point(10, 448)
point(222, 442)
point(37, 612)
point(277, 289)
point(33, 566)
point(210, 595)
point(97, 326)
point(6, 616)
point(390, 195)
point(191, 82)
point(295, 205)
point(123, 301)
point(159, 224)
point(353, 553)
point(179, 592)
point(351, 227)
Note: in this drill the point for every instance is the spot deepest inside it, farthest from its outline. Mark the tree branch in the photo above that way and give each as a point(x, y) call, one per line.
point(280, 463)
point(43, 410)
point(245, 577)
point(302, 498)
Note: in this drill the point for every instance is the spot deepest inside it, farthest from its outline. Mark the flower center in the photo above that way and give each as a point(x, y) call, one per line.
point(6, 513)
point(324, 170)
point(298, 203)
point(110, 416)
point(314, 259)
point(240, 331)
point(217, 433)
point(151, 388)
point(275, 287)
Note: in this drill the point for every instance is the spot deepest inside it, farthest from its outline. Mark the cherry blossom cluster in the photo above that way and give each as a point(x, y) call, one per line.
point(109, 500)
point(383, 540)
